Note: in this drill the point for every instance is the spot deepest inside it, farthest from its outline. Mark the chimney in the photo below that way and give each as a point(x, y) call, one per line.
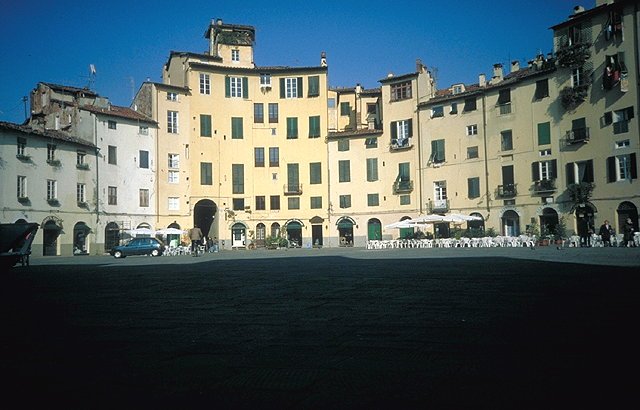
point(419, 66)
point(497, 73)
point(515, 66)
point(358, 89)
point(482, 80)
point(323, 59)
point(578, 9)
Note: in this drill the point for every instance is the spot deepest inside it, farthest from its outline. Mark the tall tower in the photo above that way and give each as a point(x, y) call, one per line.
point(232, 43)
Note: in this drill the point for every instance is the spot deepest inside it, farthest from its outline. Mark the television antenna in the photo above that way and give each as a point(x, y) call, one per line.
point(92, 75)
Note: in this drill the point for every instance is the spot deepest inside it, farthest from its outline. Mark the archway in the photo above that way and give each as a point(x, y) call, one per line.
point(275, 230)
point(238, 235)
point(476, 228)
point(316, 231)
point(510, 223)
point(51, 230)
point(406, 232)
point(261, 235)
point(80, 243)
point(374, 229)
point(204, 212)
point(626, 210)
point(294, 232)
point(345, 231)
point(111, 236)
point(548, 222)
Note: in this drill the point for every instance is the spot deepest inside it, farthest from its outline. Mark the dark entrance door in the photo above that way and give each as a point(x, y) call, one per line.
point(51, 231)
point(203, 214)
point(316, 235)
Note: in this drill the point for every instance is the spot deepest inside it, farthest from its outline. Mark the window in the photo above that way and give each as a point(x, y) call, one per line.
point(472, 129)
point(345, 109)
point(143, 130)
point(173, 203)
point(506, 140)
point(405, 199)
point(578, 77)
point(457, 89)
point(315, 173)
point(144, 159)
point(258, 113)
point(622, 167)
point(472, 152)
point(111, 124)
point(403, 180)
point(544, 170)
point(544, 133)
point(293, 178)
point(172, 122)
point(345, 201)
point(344, 171)
point(261, 204)
point(454, 108)
point(205, 125)
point(112, 195)
point(401, 131)
point(291, 87)
point(314, 86)
point(274, 156)
point(371, 143)
point(258, 157)
point(373, 200)
point(314, 126)
point(22, 187)
point(473, 187)
point(273, 113)
point(205, 85)
point(81, 158)
point(51, 152)
point(81, 195)
point(504, 101)
point(238, 204)
point(469, 104)
point(174, 177)
point(545, 152)
point(265, 80)
point(316, 202)
point(292, 127)
point(621, 120)
point(437, 111)
point(372, 169)
point(581, 171)
point(575, 34)
point(542, 89)
point(144, 198)
point(112, 155)
point(237, 132)
point(622, 144)
point(274, 202)
point(372, 108)
point(206, 173)
point(437, 152)
point(172, 96)
point(235, 55)
point(293, 202)
point(440, 192)
point(343, 145)
point(21, 144)
point(401, 91)
point(237, 177)
point(236, 87)
point(52, 190)
point(174, 161)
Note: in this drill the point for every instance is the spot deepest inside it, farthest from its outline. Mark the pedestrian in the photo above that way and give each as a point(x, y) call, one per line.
point(605, 233)
point(195, 235)
point(628, 231)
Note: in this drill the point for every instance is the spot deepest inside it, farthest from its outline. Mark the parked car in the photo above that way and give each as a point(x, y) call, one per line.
point(139, 246)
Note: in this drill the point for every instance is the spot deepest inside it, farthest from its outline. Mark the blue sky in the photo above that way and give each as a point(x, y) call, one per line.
point(129, 41)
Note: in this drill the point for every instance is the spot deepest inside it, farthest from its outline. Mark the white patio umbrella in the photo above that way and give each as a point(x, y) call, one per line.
point(460, 218)
point(141, 232)
point(429, 219)
point(407, 223)
point(170, 231)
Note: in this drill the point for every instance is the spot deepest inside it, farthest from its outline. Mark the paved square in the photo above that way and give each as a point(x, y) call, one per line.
point(324, 329)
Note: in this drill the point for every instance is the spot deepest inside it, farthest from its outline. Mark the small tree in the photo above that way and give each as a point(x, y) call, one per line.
point(580, 193)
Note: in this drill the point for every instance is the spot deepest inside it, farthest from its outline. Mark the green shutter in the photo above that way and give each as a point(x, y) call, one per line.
point(282, 88)
point(314, 126)
point(300, 93)
point(315, 173)
point(544, 133)
point(205, 125)
point(314, 86)
point(245, 87)
point(227, 87)
point(237, 128)
point(292, 127)
point(237, 175)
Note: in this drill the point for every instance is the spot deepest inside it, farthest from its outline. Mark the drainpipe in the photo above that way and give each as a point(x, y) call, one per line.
point(419, 145)
point(486, 160)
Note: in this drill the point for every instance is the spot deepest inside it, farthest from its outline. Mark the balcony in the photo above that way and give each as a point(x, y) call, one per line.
point(578, 136)
point(23, 157)
point(54, 162)
point(402, 187)
point(439, 206)
point(544, 186)
point(506, 191)
point(293, 189)
point(83, 166)
point(398, 144)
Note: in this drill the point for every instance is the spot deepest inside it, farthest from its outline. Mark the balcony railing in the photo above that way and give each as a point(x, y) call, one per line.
point(507, 191)
point(293, 189)
point(400, 144)
point(438, 206)
point(400, 187)
point(578, 135)
point(544, 186)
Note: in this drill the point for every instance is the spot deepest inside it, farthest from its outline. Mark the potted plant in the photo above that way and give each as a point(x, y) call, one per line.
point(560, 233)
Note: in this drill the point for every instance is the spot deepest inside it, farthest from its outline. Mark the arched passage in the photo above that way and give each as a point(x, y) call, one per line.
point(50, 233)
point(510, 223)
point(626, 210)
point(476, 226)
point(294, 232)
point(204, 212)
point(80, 242)
point(345, 231)
point(238, 235)
point(548, 222)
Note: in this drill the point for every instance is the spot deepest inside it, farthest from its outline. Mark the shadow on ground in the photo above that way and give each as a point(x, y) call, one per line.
point(327, 332)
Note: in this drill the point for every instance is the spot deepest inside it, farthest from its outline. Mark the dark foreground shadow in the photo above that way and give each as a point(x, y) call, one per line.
point(327, 332)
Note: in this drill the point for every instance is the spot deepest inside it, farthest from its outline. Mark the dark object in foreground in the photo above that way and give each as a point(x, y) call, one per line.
point(15, 243)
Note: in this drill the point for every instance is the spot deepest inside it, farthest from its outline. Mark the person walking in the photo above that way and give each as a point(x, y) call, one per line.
point(605, 233)
point(195, 235)
point(628, 230)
